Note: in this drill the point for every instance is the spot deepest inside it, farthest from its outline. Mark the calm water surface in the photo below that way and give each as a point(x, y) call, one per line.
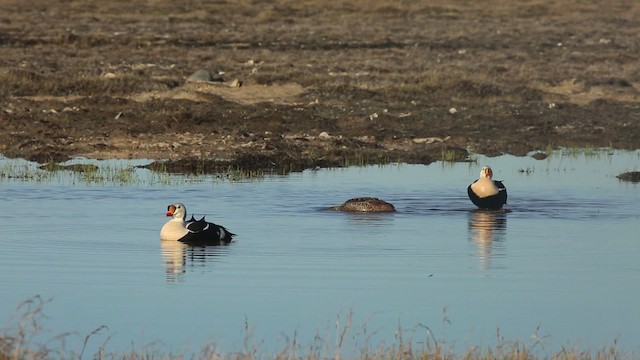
point(563, 263)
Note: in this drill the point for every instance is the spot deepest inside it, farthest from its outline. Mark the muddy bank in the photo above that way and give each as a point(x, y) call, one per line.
point(304, 84)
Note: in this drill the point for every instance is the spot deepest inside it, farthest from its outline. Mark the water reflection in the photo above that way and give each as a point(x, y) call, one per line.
point(485, 228)
point(179, 257)
point(369, 220)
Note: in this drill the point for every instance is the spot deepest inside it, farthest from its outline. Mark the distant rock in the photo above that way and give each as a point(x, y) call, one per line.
point(539, 156)
point(204, 76)
point(428, 140)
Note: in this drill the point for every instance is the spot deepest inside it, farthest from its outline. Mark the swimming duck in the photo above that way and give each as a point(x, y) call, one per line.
point(193, 232)
point(487, 193)
point(365, 204)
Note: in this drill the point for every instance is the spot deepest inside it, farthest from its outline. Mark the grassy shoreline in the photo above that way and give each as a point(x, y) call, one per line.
point(25, 337)
point(124, 172)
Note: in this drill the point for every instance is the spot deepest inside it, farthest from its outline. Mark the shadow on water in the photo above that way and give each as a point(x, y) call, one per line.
point(486, 228)
point(178, 258)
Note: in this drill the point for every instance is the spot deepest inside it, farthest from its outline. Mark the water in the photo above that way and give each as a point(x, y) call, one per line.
point(562, 264)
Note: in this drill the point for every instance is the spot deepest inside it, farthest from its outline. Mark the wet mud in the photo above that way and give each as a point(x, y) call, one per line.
point(288, 85)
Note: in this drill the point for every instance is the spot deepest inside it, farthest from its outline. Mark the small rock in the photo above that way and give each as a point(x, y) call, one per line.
point(539, 156)
point(428, 140)
point(324, 136)
point(204, 76)
point(366, 138)
point(235, 83)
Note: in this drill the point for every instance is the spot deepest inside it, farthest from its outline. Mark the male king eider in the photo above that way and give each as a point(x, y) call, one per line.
point(193, 232)
point(487, 193)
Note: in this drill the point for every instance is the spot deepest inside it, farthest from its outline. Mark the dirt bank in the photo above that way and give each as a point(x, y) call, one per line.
point(315, 83)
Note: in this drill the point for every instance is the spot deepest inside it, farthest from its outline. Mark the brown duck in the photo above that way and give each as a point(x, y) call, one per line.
point(365, 204)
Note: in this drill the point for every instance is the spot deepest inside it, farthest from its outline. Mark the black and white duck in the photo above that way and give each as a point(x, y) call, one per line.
point(193, 232)
point(487, 193)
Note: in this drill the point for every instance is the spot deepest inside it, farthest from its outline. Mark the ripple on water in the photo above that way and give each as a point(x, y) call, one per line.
point(97, 248)
point(574, 207)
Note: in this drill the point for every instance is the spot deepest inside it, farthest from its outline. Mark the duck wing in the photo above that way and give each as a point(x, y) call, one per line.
point(197, 226)
point(502, 191)
point(202, 233)
point(475, 199)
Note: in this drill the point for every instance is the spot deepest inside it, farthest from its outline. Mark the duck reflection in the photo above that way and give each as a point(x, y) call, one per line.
point(369, 219)
point(487, 227)
point(179, 257)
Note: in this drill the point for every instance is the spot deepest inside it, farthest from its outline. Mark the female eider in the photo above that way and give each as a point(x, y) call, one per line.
point(193, 232)
point(365, 204)
point(487, 193)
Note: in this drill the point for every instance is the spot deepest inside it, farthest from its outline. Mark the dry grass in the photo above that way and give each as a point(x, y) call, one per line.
point(26, 338)
point(28, 83)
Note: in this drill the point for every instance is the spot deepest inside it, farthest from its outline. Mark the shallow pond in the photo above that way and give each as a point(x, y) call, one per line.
point(560, 268)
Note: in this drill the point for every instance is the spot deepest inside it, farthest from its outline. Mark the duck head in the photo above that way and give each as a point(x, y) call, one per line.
point(486, 172)
point(177, 210)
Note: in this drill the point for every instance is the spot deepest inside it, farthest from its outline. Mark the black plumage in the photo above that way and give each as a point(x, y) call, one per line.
point(203, 233)
point(493, 202)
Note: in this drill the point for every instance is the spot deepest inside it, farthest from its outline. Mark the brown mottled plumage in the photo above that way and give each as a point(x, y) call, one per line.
point(365, 204)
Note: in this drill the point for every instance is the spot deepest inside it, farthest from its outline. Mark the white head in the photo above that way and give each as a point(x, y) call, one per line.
point(177, 210)
point(485, 186)
point(486, 172)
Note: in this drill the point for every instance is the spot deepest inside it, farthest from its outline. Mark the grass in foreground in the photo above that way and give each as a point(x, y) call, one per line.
point(26, 338)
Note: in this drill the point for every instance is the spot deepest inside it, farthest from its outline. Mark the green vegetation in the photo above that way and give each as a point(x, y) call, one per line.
point(103, 174)
point(116, 173)
point(453, 155)
point(173, 172)
point(587, 152)
point(26, 338)
point(22, 171)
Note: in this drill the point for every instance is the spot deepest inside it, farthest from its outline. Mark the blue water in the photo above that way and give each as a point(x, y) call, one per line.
point(562, 263)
